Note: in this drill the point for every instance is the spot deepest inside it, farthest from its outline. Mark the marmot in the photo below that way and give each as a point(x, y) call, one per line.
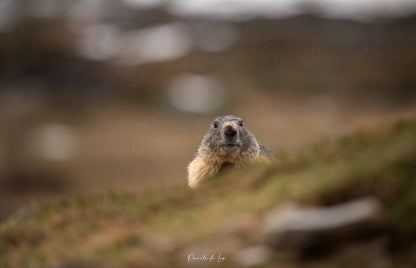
point(228, 143)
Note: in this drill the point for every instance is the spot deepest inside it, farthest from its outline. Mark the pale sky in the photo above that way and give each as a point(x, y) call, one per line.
point(241, 9)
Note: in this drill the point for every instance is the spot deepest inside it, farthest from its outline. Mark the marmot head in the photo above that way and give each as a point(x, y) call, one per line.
point(228, 135)
point(228, 143)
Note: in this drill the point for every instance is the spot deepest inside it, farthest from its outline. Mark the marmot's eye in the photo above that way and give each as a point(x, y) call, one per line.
point(240, 123)
point(215, 125)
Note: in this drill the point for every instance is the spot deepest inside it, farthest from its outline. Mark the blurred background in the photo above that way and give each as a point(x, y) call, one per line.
point(117, 94)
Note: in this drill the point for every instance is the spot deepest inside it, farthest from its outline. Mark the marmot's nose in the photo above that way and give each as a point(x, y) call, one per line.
point(230, 132)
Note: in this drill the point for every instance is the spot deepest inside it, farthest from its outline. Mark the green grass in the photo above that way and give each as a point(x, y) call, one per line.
point(158, 227)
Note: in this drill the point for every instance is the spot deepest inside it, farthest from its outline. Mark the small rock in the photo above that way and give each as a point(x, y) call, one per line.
point(318, 230)
point(253, 256)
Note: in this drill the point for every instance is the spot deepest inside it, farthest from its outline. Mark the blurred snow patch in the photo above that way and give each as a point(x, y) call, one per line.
point(233, 9)
point(246, 9)
point(157, 43)
point(100, 42)
point(253, 256)
point(143, 3)
point(237, 10)
point(195, 93)
point(52, 142)
point(151, 44)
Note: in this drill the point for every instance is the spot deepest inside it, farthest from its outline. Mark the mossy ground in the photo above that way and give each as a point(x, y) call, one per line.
point(159, 227)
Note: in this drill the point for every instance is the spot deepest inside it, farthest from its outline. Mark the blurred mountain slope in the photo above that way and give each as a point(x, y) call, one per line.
point(160, 227)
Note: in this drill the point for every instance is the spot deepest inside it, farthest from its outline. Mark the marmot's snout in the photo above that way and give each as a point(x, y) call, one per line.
point(230, 134)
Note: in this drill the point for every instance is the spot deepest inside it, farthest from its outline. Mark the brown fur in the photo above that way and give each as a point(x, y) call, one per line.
point(213, 155)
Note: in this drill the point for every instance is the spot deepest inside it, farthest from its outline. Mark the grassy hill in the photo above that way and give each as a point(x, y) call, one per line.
point(161, 227)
